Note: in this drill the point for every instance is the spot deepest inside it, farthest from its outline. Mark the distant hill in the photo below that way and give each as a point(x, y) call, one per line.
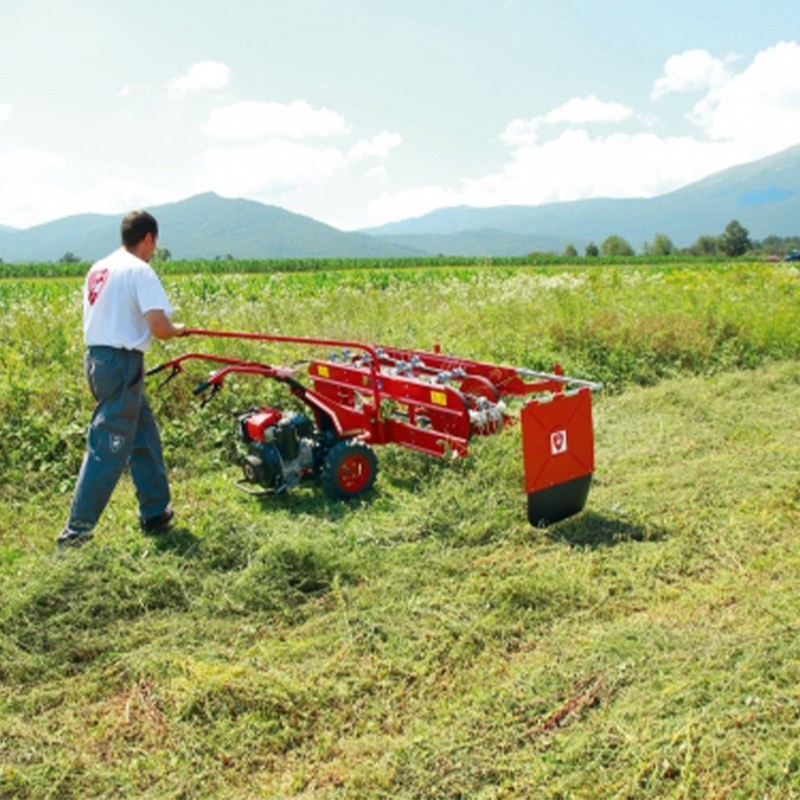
point(763, 195)
point(204, 226)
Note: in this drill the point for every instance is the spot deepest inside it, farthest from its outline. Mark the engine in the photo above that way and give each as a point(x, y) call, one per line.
point(280, 447)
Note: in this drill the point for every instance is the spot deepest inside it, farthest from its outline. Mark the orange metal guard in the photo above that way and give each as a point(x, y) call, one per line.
point(558, 454)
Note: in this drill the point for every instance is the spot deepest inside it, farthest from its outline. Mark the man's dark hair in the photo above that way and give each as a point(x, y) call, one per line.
point(136, 226)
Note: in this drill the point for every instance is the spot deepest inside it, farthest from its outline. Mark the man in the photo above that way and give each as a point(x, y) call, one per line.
point(124, 306)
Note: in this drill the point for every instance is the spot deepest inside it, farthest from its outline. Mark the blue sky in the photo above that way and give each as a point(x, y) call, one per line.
point(360, 112)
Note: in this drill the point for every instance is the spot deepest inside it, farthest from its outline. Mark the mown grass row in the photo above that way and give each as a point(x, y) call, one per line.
point(426, 642)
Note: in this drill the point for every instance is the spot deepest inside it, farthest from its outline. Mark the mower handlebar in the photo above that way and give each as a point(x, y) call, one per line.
point(275, 337)
point(155, 370)
point(306, 340)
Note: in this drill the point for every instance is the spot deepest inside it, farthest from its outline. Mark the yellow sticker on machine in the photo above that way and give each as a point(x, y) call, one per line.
point(323, 371)
point(440, 398)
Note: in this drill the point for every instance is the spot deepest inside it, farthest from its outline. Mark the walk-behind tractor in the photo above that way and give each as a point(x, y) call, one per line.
point(364, 395)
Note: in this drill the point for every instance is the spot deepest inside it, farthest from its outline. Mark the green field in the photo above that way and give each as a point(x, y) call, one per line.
point(424, 642)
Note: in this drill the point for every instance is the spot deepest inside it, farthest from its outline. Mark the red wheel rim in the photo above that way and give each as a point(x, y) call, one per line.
point(354, 473)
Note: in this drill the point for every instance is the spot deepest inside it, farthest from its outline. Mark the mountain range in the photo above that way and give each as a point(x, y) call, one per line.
point(203, 226)
point(763, 195)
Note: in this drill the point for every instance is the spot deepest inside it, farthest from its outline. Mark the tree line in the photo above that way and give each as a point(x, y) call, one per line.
point(734, 242)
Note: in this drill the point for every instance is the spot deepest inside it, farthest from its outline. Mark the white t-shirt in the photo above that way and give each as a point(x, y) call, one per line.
point(117, 292)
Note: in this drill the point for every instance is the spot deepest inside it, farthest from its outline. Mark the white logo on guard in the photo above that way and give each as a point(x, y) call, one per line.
point(558, 443)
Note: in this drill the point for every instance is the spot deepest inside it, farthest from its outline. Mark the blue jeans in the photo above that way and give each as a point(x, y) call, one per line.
point(123, 431)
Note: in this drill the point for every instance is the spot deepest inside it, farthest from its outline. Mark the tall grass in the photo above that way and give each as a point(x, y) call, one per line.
point(619, 325)
point(220, 266)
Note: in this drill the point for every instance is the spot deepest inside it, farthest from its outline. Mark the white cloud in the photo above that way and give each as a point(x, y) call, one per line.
point(251, 169)
point(410, 203)
point(741, 117)
point(582, 110)
point(117, 195)
point(254, 120)
point(5, 111)
point(759, 108)
point(36, 186)
point(201, 76)
point(377, 147)
point(692, 70)
point(573, 166)
point(577, 111)
point(576, 165)
point(21, 164)
point(377, 173)
point(520, 131)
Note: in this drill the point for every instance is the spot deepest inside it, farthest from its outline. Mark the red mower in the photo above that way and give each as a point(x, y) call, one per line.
point(364, 395)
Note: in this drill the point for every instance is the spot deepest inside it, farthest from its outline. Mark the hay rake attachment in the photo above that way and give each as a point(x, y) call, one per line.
point(362, 395)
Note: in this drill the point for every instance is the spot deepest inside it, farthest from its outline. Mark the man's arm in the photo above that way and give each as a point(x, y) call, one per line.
point(161, 326)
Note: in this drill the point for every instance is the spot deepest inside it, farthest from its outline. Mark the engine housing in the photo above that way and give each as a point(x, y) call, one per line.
point(280, 447)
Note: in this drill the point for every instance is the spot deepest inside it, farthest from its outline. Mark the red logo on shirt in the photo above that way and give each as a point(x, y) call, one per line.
point(97, 280)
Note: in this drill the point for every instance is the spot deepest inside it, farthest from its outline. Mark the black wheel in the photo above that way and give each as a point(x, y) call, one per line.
point(349, 469)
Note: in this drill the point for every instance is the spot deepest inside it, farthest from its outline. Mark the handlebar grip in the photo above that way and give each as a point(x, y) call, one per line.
point(201, 387)
point(154, 370)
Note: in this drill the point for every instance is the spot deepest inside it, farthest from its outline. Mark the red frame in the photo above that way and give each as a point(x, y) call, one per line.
point(424, 401)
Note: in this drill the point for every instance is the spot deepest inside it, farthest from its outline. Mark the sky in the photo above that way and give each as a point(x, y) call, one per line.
point(362, 112)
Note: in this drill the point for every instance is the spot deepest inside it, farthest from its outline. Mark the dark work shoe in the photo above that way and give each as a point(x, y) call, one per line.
point(157, 524)
point(70, 538)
